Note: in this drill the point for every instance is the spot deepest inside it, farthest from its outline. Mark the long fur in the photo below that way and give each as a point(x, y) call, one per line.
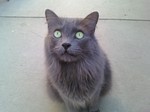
point(79, 81)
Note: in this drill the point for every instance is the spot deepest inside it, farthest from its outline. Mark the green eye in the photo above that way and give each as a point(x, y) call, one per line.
point(79, 35)
point(57, 34)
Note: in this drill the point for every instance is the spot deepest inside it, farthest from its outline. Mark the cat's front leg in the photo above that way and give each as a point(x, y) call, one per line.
point(98, 110)
point(94, 109)
point(94, 103)
point(90, 109)
point(71, 108)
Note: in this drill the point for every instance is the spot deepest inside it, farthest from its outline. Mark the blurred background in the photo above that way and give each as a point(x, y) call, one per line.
point(123, 31)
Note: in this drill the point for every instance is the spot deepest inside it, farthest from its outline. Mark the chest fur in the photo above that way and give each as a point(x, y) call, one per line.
point(77, 81)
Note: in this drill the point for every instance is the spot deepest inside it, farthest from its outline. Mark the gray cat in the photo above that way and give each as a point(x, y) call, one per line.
point(78, 70)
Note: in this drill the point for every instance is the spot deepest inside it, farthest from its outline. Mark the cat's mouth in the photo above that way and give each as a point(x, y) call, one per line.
point(68, 57)
point(66, 53)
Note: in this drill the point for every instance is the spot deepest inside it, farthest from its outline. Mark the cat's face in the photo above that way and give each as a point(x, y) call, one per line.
point(70, 39)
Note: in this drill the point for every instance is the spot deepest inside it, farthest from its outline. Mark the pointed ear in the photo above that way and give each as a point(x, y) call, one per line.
point(51, 17)
point(90, 21)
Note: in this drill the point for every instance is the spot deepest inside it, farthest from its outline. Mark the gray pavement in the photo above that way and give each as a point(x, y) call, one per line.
point(125, 40)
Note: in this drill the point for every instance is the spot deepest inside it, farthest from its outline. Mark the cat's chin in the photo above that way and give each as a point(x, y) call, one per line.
point(68, 57)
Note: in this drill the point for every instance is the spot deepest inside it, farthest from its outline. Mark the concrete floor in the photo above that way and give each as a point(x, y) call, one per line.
point(125, 40)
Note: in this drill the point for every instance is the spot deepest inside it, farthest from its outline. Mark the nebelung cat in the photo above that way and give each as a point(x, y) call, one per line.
point(78, 70)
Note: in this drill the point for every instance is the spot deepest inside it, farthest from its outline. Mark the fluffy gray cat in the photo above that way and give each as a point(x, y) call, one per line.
point(78, 70)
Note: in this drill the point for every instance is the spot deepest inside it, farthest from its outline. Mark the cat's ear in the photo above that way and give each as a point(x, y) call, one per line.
point(51, 17)
point(90, 21)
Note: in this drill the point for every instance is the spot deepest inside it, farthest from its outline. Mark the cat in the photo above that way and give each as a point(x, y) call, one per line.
point(79, 73)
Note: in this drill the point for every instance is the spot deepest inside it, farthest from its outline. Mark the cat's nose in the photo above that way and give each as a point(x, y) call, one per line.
point(66, 45)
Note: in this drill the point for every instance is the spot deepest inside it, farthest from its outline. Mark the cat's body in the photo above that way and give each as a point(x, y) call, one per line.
point(78, 70)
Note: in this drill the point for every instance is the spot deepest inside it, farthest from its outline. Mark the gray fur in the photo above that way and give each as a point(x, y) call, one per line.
point(82, 75)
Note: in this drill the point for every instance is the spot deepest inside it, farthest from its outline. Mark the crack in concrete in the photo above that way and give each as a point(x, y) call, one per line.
point(110, 19)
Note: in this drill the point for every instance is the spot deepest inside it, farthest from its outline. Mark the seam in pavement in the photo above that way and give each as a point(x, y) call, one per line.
point(110, 19)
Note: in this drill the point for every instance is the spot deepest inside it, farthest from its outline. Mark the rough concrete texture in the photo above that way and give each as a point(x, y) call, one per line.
point(126, 42)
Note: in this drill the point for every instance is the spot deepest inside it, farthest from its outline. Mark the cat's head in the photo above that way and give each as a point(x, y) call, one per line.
point(71, 39)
